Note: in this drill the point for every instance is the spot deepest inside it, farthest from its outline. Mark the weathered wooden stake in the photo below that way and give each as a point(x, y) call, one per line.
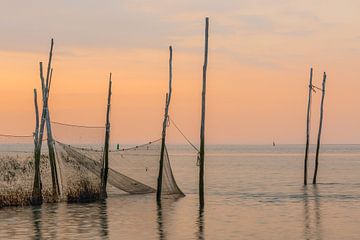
point(36, 133)
point(105, 160)
point(308, 128)
point(162, 150)
point(36, 194)
point(320, 127)
point(163, 135)
point(202, 130)
point(53, 165)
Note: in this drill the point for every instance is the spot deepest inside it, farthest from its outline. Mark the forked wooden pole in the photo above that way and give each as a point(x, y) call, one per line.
point(308, 128)
point(163, 135)
point(105, 161)
point(36, 194)
point(320, 128)
point(202, 130)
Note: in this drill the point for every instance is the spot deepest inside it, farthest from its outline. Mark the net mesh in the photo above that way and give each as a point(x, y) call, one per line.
point(132, 170)
point(17, 171)
point(78, 153)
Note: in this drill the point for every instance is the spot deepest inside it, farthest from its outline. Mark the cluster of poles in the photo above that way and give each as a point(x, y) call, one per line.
point(46, 121)
point(313, 88)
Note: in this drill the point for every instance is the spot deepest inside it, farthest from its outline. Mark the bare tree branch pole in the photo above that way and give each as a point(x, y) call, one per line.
point(37, 178)
point(308, 128)
point(105, 160)
point(163, 135)
point(202, 130)
point(320, 128)
point(36, 194)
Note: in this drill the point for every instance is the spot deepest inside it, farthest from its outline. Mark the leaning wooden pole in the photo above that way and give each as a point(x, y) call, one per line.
point(202, 130)
point(163, 134)
point(36, 194)
point(320, 128)
point(36, 135)
point(46, 84)
point(308, 128)
point(36, 132)
point(50, 142)
point(105, 161)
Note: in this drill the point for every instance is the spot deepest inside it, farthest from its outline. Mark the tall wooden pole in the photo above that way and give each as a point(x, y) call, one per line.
point(308, 128)
point(36, 133)
point(50, 142)
point(163, 135)
point(36, 194)
point(105, 161)
point(36, 136)
point(202, 130)
point(320, 127)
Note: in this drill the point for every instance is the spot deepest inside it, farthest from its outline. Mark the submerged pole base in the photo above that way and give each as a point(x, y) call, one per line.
point(36, 199)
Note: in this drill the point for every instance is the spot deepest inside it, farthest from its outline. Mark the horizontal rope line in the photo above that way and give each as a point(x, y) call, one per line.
point(16, 136)
point(75, 125)
point(120, 150)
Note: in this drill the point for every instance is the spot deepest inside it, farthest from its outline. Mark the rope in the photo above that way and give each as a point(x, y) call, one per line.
point(120, 150)
point(135, 147)
point(74, 125)
point(315, 87)
point(191, 144)
point(16, 136)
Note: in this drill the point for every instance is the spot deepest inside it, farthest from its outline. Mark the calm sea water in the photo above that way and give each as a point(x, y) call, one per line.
point(252, 192)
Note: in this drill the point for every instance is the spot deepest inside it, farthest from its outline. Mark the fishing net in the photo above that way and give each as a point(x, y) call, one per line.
point(132, 170)
point(17, 171)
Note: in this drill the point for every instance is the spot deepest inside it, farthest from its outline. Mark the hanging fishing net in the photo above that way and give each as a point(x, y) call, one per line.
point(17, 171)
point(132, 170)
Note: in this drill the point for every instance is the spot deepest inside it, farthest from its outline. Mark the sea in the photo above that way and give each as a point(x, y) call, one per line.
point(251, 192)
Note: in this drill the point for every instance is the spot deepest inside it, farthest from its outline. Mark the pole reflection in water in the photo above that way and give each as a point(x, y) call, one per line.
point(317, 213)
point(200, 224)
point(312, 213)
point(50, 220)
point(104, 227)
point(160, 221)
point(36, 213)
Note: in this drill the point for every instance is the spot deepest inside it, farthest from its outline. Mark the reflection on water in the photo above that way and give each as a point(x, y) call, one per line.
point(248, 196)
point(36, 211)
point(160, 222)
point(312, 213)
point(61, 220)
point(104, 228)
point(200, 223)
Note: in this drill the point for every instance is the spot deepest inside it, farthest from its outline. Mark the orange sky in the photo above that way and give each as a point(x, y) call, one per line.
point(259, 60)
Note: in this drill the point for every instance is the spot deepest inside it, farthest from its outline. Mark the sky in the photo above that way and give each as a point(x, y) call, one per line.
point(260, 54)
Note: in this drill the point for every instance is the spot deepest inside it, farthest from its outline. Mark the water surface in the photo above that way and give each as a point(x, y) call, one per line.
point(252, 192)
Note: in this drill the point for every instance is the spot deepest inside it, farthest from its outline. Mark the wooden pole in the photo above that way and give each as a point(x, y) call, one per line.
point(36, 194)
point(320, 127)
point(53, 165)
point(36, 133)
point(162, 151)
point(202, 130)
point(163, 135)
point(51, 149)
point(308, 128)
point(105, 166)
